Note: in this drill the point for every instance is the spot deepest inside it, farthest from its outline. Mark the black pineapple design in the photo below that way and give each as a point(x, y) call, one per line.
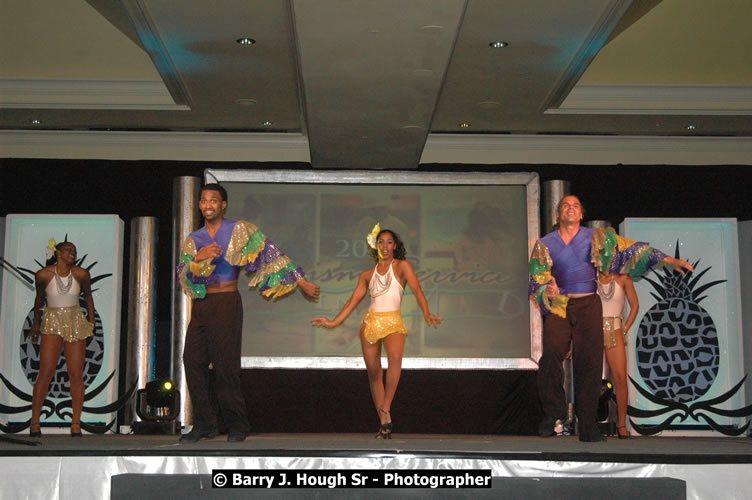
point(676, 348)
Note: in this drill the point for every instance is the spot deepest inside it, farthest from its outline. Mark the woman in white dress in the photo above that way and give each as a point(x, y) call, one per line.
point(382, 324)
point(613, 289)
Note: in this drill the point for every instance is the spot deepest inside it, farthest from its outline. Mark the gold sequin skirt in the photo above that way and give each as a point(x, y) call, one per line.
point(68, 322)
point(382, 324)
point(609, 332)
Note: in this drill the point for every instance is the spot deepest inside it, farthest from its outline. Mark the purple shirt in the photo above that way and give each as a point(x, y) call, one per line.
point(223, 270)
point(572, 268)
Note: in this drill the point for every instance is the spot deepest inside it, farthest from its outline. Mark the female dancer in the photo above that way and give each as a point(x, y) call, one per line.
point(613, 288)
point(62, 325)
point(383, 324)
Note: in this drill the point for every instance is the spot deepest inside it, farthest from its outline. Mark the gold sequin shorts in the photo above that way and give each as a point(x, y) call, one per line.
point(382, 324)
point(68, 322)
point(609, 331)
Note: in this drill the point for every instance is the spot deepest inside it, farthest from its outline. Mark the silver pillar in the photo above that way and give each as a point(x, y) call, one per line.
point(185, 219)
point(553, 192)
point(597, 224)
point(142, 308)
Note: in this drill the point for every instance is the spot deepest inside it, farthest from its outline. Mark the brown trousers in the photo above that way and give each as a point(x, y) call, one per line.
point(583, 327)
point(214, 336)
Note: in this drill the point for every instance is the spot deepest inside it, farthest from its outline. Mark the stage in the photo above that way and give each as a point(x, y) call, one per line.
point(127, 466)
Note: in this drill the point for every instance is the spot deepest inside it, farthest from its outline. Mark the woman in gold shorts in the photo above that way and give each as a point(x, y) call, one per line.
point(62, 327)
point(613, 289)
point(383, 324)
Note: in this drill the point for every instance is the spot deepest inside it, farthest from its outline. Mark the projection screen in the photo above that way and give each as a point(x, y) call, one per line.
point(467, 235)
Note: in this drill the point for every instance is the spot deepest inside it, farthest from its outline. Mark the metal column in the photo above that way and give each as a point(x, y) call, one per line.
point(185, 219)
point(553, 192)
point(142, 308)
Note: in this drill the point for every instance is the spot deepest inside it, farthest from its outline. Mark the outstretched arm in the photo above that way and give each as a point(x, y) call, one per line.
point(355, 298)
point(679, 265)
point(407, 271)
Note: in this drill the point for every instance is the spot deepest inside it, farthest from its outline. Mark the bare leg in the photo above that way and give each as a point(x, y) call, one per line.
point(617, 362)
point(75, 355)
point(372, 357)
point(395, 347)
point(49, 352)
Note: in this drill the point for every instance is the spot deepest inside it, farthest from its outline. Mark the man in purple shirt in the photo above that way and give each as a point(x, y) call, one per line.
point(210, 261)
point(563, 273)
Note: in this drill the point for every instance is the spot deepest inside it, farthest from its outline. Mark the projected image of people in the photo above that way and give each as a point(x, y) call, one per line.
point(382, 324)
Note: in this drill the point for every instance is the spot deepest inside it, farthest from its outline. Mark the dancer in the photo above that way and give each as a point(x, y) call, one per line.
point(62, 325)
point(383, 324)
point(210, 261)
point(612, 289)
point(563, 283)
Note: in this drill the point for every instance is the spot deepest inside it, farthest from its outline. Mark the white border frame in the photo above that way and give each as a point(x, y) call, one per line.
point(528, 179)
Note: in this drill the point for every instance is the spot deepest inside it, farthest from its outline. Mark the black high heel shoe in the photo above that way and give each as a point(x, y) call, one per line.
point(620, 435)
point(385, 429)
point(35, 433)
point(75, 434)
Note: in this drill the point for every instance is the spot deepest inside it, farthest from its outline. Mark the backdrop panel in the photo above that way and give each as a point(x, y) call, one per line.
point(686, 347)
point(99, 241)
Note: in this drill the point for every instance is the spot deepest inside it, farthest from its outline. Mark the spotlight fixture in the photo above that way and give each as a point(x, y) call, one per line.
point(690, 127)
point(498, 44)
point(36, 122)
point(157, 406)
point(267, 123)
point(464, 125)
point(245, 41)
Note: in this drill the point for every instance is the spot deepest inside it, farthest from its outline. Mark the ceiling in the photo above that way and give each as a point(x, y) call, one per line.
point(378, 83)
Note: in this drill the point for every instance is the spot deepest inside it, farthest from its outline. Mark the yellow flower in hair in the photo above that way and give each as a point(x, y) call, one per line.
point(50, 250)
point(371, 239)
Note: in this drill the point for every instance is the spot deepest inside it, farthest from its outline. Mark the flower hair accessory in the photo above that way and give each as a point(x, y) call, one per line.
point(50, 250)
point(371, 238)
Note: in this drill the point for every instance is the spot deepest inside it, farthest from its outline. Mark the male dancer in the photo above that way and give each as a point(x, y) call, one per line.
point(210, 261)
point(563, 273)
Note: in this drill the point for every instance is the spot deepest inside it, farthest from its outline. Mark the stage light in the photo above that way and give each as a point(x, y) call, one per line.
point(157, 405)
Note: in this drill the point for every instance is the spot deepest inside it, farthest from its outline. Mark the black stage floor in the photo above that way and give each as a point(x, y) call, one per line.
point(661, 449)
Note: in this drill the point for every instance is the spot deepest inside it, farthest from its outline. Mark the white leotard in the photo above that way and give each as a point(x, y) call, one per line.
point(70, 299)
point(391, 299)
point(613, 307)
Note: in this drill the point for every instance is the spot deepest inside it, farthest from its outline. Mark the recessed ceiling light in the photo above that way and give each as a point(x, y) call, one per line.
point(498, 44)
point(245, 101)
point(690, 127)
point(489, 104)
point(267, 123)
point(245, 41)
point(464, 125)
point(36, 122)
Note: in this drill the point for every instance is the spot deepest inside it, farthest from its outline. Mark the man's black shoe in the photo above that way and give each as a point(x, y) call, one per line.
point(197, 434)
point(593, 436)
point(546, 427)
point(235, 436)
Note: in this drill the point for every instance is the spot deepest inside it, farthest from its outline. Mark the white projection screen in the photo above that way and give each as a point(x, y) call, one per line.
point(468, 237)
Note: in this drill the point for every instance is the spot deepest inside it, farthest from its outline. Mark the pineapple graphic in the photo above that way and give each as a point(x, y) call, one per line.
point(678, 357)
point(676, 349)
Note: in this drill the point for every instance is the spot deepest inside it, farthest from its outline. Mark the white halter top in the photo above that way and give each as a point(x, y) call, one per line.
point(55, 298)
point(614, 305)
point(385, 290)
